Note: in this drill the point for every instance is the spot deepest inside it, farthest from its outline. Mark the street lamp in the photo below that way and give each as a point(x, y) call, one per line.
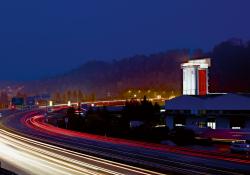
point(50, 103)
point(69, 103)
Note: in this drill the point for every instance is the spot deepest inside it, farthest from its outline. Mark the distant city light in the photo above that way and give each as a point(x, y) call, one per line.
point(160, 126)
point(163, 110)
point(178, 124)
point(171, 97)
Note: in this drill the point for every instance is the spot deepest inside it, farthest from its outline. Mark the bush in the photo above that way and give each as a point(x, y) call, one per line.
point(182, 135)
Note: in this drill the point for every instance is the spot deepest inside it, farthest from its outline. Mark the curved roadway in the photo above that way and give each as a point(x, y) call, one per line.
point(39, 148)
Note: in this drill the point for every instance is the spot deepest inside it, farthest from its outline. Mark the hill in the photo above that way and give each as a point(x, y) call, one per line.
point(158, 72)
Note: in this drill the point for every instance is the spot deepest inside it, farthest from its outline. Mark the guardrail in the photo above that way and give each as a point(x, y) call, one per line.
point(6, 172)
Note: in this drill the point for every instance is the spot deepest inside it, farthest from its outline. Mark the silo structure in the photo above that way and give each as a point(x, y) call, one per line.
point(195, 76)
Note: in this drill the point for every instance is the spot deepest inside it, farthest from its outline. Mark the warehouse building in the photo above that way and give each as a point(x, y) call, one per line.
point(223, 115)
point(225, 111)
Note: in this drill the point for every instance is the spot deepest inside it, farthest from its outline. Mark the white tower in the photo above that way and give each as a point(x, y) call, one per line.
point(195, 76)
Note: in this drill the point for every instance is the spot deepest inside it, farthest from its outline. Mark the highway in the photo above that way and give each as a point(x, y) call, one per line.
point(73, 154)
point(28, 156)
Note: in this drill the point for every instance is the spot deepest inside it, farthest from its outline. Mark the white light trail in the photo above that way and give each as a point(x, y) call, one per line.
point(34, 157)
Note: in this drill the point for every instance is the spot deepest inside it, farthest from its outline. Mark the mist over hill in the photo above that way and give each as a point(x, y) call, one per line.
point(160, 71)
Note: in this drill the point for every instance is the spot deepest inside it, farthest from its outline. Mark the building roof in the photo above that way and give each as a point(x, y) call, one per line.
point(210, 102)
point(201, 63)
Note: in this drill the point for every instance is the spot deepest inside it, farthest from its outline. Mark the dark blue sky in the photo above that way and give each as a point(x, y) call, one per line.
point(47, 37)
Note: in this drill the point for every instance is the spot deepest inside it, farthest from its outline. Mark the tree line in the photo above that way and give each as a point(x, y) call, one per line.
point(160, 71)
point(118, 123)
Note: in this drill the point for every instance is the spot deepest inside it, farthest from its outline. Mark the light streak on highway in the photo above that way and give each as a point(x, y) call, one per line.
point(38, 122)
point(33, 131)
point(33, 157)
point(120, 102)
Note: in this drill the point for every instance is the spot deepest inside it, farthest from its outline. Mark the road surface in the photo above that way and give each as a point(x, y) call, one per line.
point(157, 161)
point(28, 156)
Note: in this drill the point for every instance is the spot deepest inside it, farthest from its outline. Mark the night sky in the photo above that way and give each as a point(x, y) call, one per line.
point(48, 37)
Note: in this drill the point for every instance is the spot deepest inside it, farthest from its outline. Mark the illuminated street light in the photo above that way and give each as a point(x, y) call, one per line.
point(50, 103)
point(69, 103)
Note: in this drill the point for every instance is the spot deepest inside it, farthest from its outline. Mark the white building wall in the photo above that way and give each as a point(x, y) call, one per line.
point(190, 81)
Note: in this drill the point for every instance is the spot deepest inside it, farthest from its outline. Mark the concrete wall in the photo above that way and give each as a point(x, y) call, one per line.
point(169, 122)
point(192, 121)
point(222, 122)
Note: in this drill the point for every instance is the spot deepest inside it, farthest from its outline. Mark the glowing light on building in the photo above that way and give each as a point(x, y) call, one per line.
point(195, 76)
point(50, 103)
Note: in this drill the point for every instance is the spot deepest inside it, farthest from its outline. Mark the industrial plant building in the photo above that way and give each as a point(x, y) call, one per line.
point(224, 115)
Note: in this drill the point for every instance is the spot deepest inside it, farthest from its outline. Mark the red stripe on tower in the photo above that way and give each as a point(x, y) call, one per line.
point(202, 82)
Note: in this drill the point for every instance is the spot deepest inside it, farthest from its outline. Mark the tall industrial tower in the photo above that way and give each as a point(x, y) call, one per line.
point(195, 76)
